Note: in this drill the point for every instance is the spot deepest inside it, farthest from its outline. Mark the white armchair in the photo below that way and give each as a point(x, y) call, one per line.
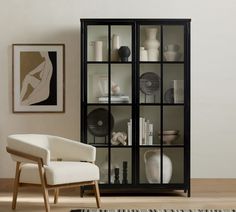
point(52, 162)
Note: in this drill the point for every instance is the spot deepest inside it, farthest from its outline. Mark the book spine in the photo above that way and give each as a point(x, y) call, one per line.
point(143, 132)
point(150, 134)
point(147, 132)
point(130, 133)
point(140, 130)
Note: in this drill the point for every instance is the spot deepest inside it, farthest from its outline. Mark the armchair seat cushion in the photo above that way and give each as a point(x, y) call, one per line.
point(60, 172)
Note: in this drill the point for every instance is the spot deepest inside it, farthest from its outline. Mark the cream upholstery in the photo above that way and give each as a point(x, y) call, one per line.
point(60, 173)
point(53, 162)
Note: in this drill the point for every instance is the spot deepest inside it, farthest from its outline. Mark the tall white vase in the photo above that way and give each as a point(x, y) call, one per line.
point(98, 50)
point(151, 41)
point(115, 47)
point(152, 160)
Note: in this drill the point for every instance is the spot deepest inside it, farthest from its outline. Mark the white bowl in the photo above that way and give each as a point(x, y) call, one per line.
point(172, 56)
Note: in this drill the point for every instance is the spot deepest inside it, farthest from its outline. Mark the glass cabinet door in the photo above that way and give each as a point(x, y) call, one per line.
point(109, 70)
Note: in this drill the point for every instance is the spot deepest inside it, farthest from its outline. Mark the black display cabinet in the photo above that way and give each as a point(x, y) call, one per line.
point(135, 102)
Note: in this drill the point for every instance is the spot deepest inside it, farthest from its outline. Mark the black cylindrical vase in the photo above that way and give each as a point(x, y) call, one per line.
point(124, 53)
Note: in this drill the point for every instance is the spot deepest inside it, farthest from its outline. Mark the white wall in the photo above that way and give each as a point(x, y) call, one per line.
point(213, 69)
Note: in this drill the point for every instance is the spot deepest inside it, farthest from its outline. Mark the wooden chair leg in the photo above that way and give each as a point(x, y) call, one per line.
point(16, 185)
point(45, 190)
point(97, 194)
point(56, 194)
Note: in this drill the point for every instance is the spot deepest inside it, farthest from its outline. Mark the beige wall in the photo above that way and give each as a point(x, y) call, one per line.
point(213, 70)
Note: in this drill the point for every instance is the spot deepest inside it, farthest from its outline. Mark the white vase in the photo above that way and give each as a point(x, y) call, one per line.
point(153, 54)
point(115, 47)
point(143, 54)
point(98, 50)
point(151, 41)
point(152, 160)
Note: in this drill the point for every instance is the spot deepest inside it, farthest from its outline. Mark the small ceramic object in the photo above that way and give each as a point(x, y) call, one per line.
point(124, 53)
point(152, 160)
point(172, 56)
point(172, 47)
point(98, 50)
point(115, 88)
point(168, 139)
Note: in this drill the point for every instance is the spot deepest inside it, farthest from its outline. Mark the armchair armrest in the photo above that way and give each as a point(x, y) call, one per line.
point(19, 143)
point(70, 150)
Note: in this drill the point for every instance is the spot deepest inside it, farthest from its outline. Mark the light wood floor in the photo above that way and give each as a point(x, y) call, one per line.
point(206, 194)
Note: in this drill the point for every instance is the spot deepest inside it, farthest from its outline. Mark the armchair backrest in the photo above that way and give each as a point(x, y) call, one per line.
point(50, 147)
point(31, 144)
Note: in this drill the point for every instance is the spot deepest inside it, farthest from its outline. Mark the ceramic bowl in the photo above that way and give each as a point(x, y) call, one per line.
point(172, 56)
point(170, 132)
point(168, 139)
point(172, 47)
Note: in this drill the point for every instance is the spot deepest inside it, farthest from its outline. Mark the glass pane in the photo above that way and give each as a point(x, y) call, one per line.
point(121, 134)
point(97, 125)
point(173, 42)
point(121, 44)
point(121, 82)
point(149, 43)
point(150, 165)
point(149, 125)
point(121, 165)
point(97, 43)
point(173, 165)
point(102, 163)
point(173, 83)
point(150, 83)
point(97, 83)
point(173, 125)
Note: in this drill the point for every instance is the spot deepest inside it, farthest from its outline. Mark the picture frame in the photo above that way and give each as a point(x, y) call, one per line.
point(38, 78)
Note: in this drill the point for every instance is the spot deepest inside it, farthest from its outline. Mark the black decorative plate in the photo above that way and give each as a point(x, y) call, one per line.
point(169, 95)
point(98, 122)
point(149, 83)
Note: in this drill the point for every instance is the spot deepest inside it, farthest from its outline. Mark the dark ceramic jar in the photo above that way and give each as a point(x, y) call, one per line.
point(124, 53)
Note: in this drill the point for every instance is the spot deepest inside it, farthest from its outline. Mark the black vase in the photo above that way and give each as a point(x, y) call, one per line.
point(124, 53)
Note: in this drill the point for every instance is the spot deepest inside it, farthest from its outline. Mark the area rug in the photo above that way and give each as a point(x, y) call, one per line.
point(153, 210)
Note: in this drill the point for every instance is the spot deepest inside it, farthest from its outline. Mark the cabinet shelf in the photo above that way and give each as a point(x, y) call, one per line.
point(148, 82)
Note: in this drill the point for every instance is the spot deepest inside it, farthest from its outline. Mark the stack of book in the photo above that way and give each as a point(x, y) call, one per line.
point(145, 132)
point(114, 99)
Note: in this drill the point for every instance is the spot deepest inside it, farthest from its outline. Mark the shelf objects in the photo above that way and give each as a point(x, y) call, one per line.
point(98, 56)
point(125, 172)
point(114, 99)
point(145, 132)
point(124, 53)
point(175, 94)
point(117, 176)
point(152, 160)
point(98, 122)
point(178, 91)
point(151, 44)
point(129, 124)
point(172, 52)
point(149, 84)
point(169, 136)
point(115, 47)
point(119, 139)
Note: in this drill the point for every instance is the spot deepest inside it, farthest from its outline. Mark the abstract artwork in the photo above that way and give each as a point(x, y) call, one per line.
point(38, 77)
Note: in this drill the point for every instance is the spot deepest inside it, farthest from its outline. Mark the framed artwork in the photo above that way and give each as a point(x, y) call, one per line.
point(38, 78)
